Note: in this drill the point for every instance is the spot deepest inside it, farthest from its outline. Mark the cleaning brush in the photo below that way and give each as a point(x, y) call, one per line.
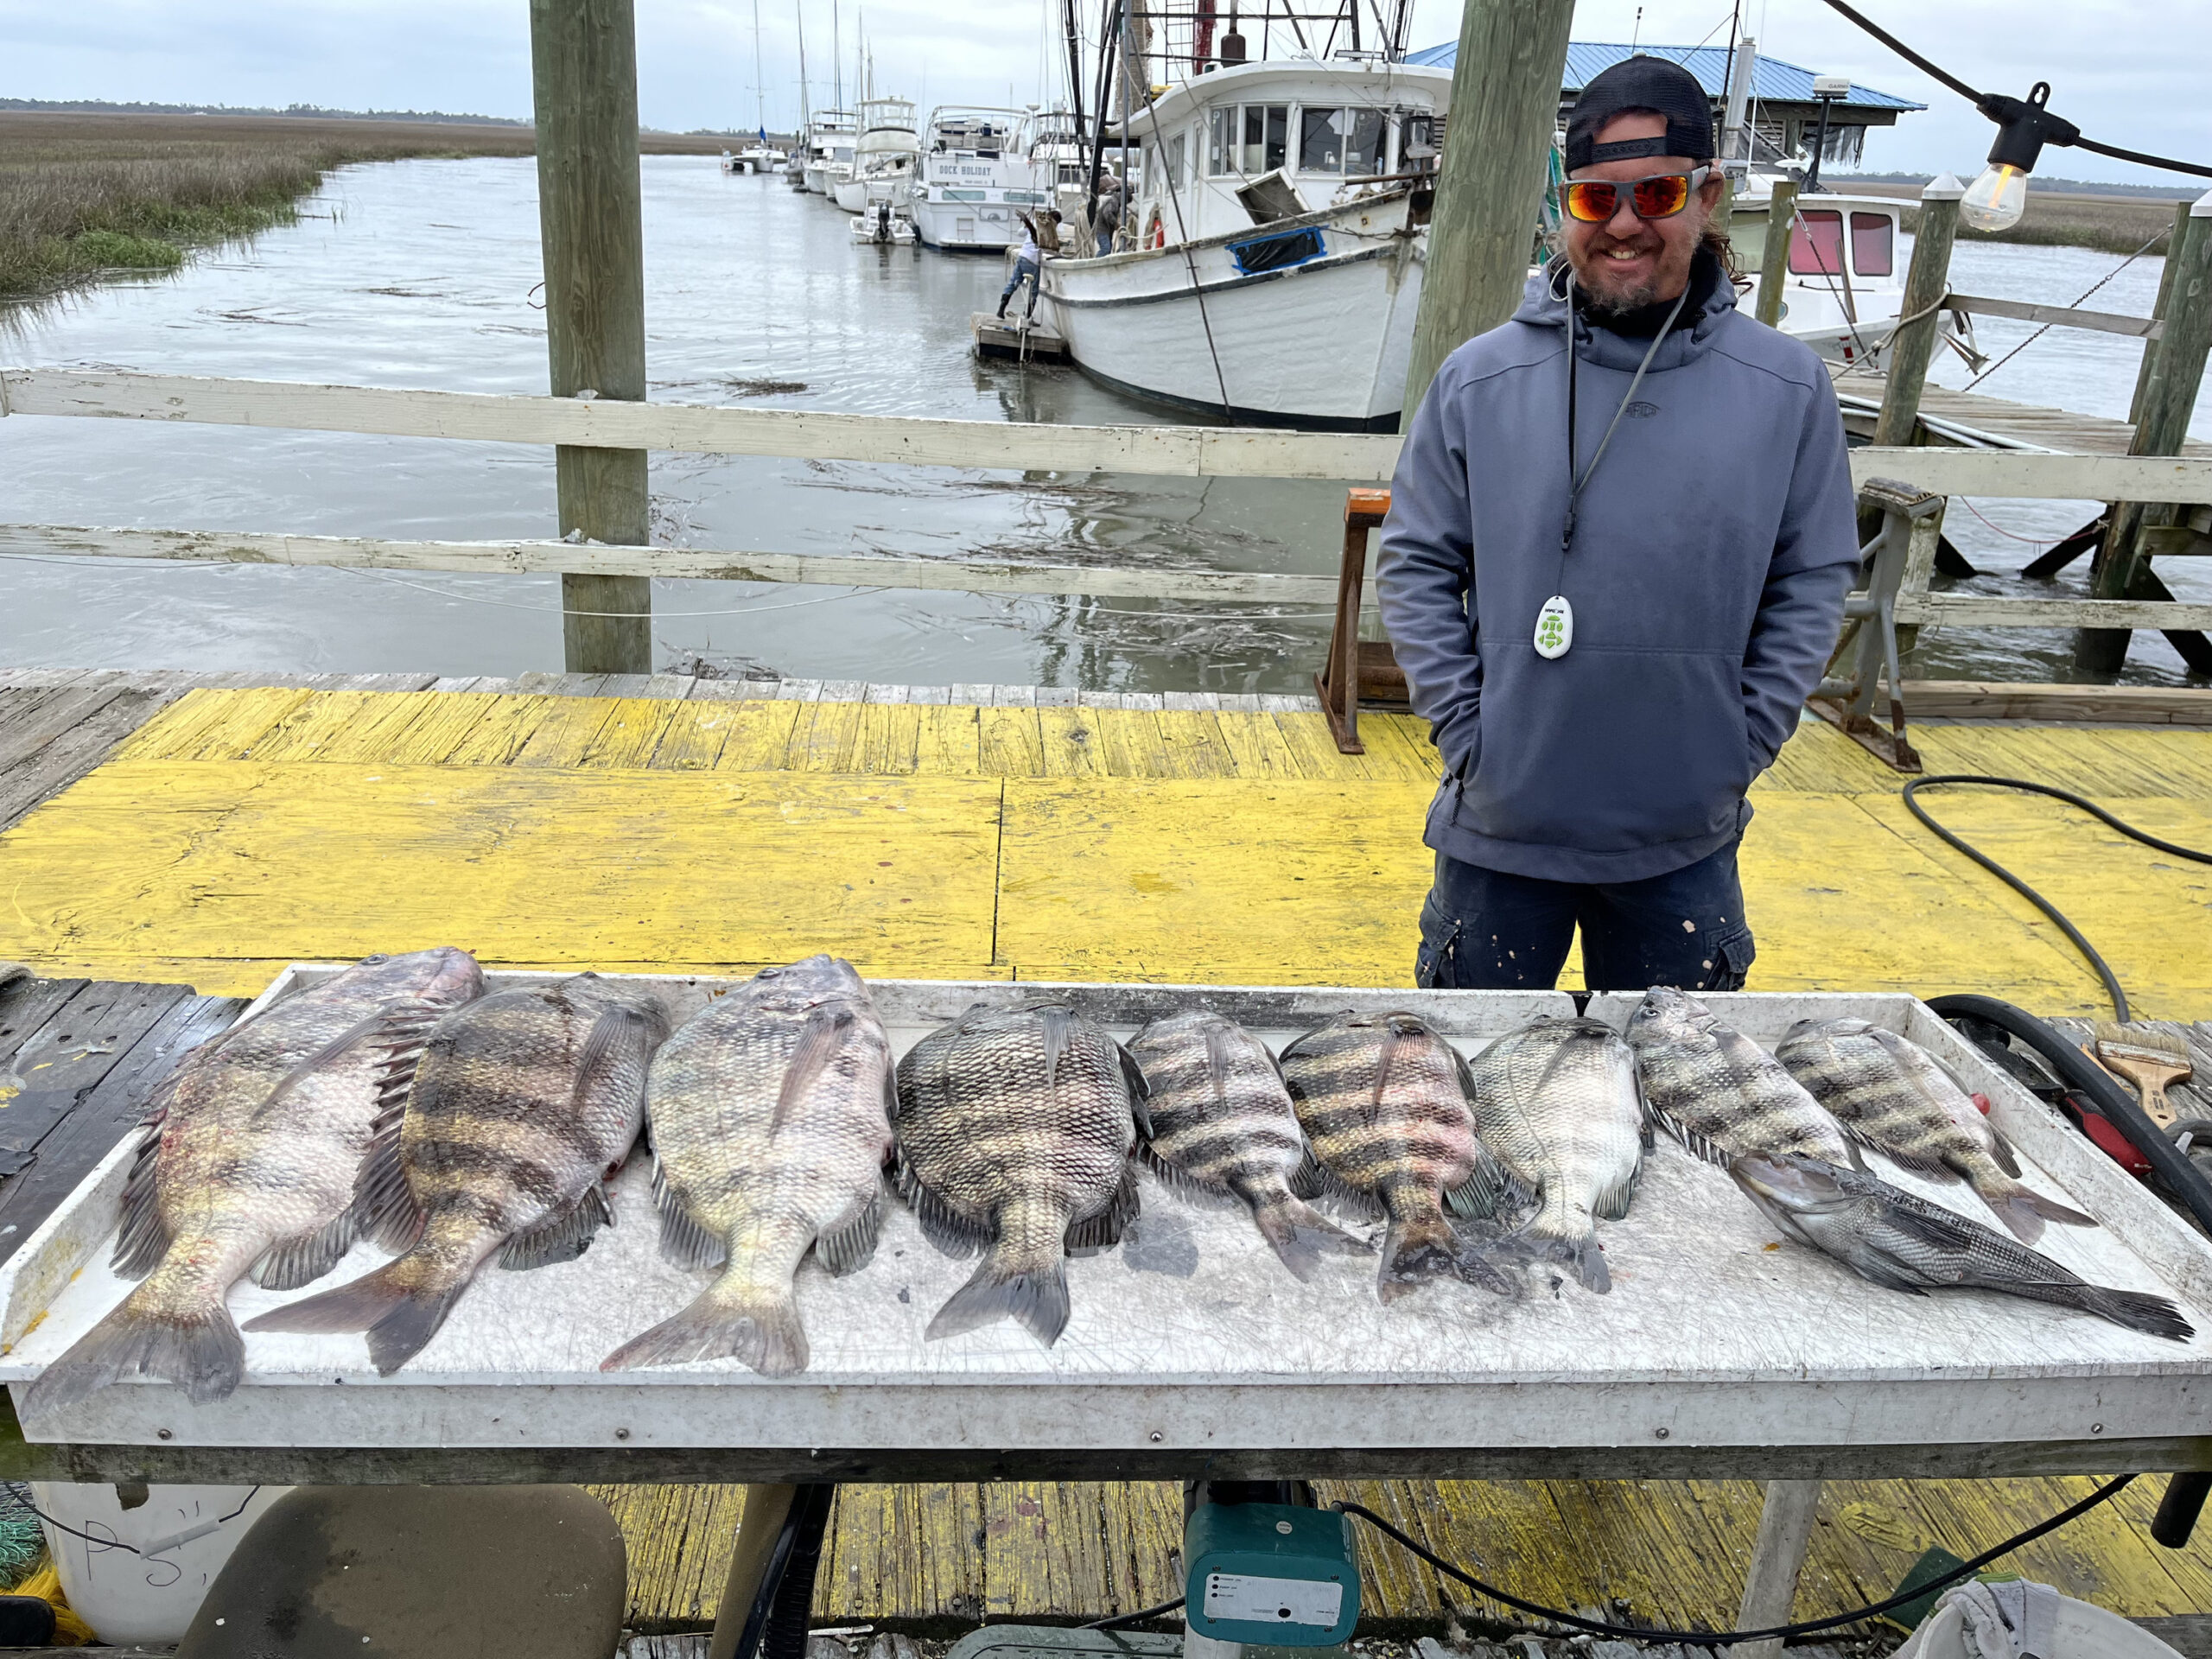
point(2151, 1061)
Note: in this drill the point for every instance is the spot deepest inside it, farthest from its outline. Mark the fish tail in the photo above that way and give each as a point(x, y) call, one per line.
point(754, 1321)
point(1425, 1247)
point(1301, 1235)
point(196, 1345)
point(2021, 1209)
point(1027, 1286)
point(401, 1306)
point(1559, 1234)
point(2153, 1315)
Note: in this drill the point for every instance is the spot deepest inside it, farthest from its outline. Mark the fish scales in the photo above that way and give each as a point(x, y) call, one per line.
point(525, 1103)
point(249, 1165)
point(1556, 1102)
point(1890, 1094)
point(1901, 1242)
point(771, 1129)
point(1223, 1125)
point(1384, 1103)
point(1718, 1092)
point(1014, 1131)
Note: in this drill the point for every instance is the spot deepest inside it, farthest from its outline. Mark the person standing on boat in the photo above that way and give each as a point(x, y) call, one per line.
point(1620, 535)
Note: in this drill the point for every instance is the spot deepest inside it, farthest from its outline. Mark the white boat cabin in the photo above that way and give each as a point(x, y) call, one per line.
point(1260, 142)
point(1844, 287)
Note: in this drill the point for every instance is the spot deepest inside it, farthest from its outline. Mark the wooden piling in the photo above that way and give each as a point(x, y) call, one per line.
point(1505, 110)
point(584, 60)
point(2165, 396)
point(1773, 258)
point(1926, 282)
point(1777, 1560)
point(2174, 237)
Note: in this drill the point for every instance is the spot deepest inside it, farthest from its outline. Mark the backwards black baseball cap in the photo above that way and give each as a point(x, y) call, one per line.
point(1654, 85)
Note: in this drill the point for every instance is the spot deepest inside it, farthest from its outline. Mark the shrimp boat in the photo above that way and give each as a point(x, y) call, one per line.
point(1276, 237)
point(883, 156)
point(978, 173)
point(828, 149)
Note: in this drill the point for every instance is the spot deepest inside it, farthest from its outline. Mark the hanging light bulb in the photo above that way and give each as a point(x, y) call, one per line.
point(1996, 199)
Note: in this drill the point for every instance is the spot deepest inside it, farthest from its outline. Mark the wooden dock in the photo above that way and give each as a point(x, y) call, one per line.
point(1976, 419)
point(169, 833)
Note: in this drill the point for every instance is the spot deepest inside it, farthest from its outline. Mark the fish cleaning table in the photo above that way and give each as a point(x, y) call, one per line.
point(1191, 1351)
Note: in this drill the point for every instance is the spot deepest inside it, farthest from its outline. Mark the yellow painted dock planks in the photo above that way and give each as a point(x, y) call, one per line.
point(241, 830)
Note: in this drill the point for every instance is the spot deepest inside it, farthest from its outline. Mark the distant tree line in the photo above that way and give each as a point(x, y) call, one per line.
point(303, 111)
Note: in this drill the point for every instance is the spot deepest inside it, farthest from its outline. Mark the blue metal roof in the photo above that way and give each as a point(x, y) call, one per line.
point(1773, 81)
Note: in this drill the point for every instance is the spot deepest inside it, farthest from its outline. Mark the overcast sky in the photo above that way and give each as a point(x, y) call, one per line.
point(2130, 74)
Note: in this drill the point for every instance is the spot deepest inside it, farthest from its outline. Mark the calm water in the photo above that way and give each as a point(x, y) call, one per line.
point(421, 274)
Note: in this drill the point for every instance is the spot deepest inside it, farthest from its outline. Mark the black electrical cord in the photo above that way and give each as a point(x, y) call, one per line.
point(23, 1502)
point(2089, 951)
point(1976, 99)
point(1123, 1621)
point(1728, 1638)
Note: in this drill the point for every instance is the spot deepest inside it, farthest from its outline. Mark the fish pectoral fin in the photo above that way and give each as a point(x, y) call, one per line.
point(304, 1257)
point(611, 1038)
point(684, 1243)
point(819, 1040)
point(1140, 1091)
point(1870, 1265)
point(562, 1236)
point(1103, 1231)
point(1057, 1020)
point(851, 1246)
point(143, 1237)
point(2001, 1150)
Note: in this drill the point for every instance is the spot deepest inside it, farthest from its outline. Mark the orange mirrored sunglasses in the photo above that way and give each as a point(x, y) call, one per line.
point(1660, 196)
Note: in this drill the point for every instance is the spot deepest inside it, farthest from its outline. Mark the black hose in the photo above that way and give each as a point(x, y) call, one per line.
point(1123, 1621)
point(776, 1624)
point(2104, 970)
point(2084, 1076)
point(1727, 1638)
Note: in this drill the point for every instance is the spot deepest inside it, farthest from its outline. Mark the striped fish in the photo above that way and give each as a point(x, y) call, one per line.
point(1385, 1104)
point(1720, 1093)
point(1222, 1127)
point(249, 1167)
point(1890, 1094)
point(1556, 1101)
point(526, 1103)
point(1014, 1131)
point(771, 1129)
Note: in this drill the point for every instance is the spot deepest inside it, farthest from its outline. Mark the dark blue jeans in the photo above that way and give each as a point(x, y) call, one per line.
point(1483, 930)
point(1025, 271)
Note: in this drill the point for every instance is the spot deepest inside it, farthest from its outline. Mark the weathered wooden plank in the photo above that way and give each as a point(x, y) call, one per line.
point(1992, 611)
point(631, 732)
point(2149, 705)
point(687, 429)
point(56, 764)
point(693, 738)
point(2057, 316)
point(1012, 741)
point(31, 720)
point(64, 1058)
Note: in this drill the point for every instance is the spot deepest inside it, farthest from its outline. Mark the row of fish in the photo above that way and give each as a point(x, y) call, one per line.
point(396, 1102)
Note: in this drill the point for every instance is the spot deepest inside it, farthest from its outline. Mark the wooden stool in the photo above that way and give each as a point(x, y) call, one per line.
point(1357, 669)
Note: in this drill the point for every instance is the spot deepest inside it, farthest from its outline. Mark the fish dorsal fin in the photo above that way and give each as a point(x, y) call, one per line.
point(350, 1038)
point(818, 1042)
point(1386, 1055)
point(385, 1210)
point(1218, 1060)
point(1057, 1019)
point(562, 1236)
point(684, 1242)
point(1140, 1091)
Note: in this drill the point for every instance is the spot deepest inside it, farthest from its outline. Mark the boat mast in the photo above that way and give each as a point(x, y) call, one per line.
point(836, 55)
point(759, 82)
point(805, 114)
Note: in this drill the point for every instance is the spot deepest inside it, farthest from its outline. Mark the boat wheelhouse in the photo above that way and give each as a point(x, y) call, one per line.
point(883, 154)
point(974, 179)
point(831, 138)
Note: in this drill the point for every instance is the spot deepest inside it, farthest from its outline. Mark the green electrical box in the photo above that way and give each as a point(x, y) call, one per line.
point(1270, 1574)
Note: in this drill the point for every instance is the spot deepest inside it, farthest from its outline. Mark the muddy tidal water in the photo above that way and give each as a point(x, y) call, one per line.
point(421, 274)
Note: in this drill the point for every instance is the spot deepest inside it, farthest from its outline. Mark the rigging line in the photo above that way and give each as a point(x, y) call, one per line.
point(2048, 326)
point(2011, 535)
point(1190, 264)
point(563, 610)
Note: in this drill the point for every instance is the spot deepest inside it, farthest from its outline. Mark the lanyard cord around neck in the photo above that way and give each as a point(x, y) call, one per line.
point(1574, 485)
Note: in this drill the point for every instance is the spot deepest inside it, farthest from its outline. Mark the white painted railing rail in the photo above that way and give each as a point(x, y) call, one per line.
point(1175, 451)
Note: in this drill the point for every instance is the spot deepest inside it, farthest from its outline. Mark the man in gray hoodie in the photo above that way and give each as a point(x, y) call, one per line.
point(1620, 535)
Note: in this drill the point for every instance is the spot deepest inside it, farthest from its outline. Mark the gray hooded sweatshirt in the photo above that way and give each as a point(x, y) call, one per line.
point(1714, 547)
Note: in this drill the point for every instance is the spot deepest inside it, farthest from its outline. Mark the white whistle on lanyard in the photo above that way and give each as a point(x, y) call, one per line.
point(1554, 627)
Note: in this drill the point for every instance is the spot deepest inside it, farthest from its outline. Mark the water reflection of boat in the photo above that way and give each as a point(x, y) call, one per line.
point(978, 173)
point(1271, 255)
point(883, 154)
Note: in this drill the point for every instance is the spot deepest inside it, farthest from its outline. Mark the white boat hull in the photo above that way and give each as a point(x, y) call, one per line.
point(965, 226)
point(1324, 343)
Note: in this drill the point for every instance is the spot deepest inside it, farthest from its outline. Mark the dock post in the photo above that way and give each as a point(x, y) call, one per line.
point(1773, 258)
point(584, 63)
point(2166, 395)
point(1926, 283)
point(1505, 110)
point(1770, 1586)
point(2174, 239)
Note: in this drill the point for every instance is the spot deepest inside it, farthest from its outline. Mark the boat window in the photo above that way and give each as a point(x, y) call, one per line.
point(967, 196)
point(1873, 240)
point(1178, 150)
point(1221, 142)
point(1363, 150)
point(1816, 249)
point(1416, 140)
point(1029, 198)
point(1267, 137)
point(1321, 140)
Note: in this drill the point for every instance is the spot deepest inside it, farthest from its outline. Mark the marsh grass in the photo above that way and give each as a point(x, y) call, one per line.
point(83, 196)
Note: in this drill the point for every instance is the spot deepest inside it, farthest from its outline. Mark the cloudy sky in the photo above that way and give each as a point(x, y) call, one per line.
point(2128, 73)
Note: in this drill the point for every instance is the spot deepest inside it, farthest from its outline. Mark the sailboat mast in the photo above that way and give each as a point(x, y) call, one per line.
point(836, 53)
point(805, 102)
point(759, 79)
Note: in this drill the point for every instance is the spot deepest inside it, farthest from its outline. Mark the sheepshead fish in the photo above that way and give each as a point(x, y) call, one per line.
point(1556, 1102)
point(249, 1165)
point(1890, 1094)
point(525, 1103)
point(1014, 1132)
point(1720, 1093)
point(1903, 1242)
point(770, 1125)
point(1222, 1127)
point(1384, 1102)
